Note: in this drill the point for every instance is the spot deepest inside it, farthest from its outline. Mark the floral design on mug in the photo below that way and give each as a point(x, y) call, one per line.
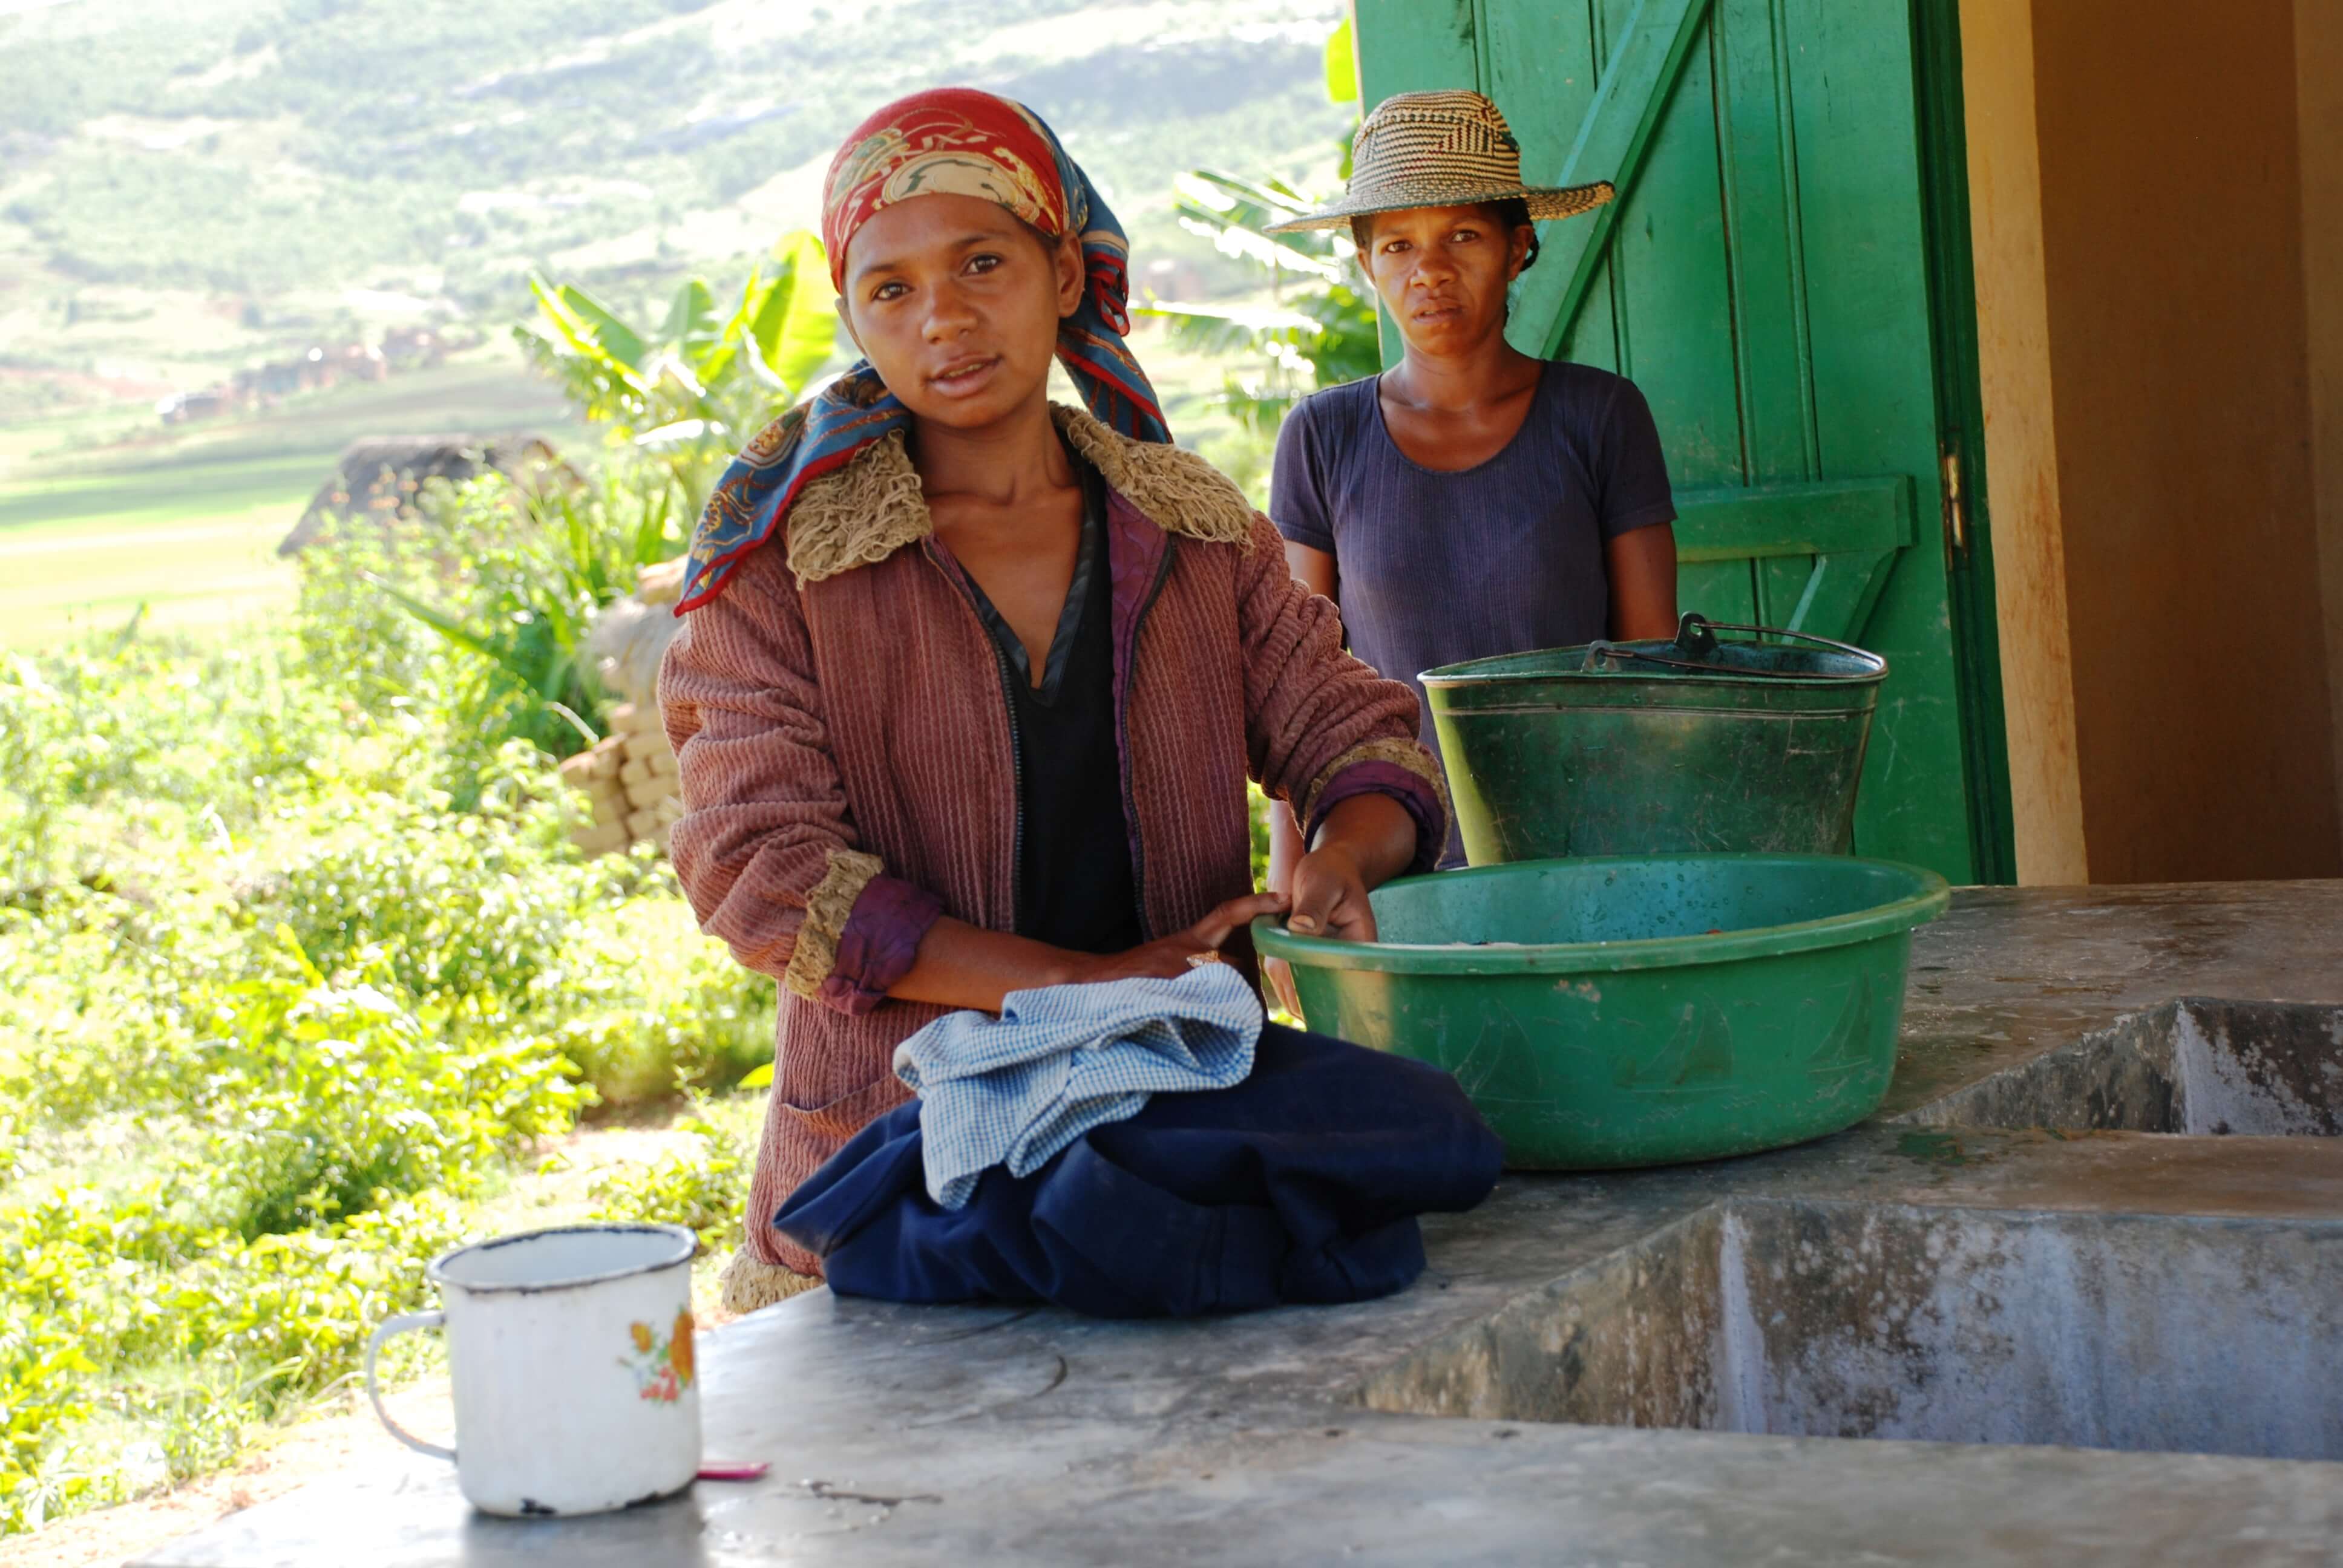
point(663, 1367)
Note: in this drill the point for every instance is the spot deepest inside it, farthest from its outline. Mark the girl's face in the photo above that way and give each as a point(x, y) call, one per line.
point(956, 304)
point(1443, 271)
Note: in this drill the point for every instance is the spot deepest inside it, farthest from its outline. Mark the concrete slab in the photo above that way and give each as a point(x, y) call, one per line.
point(1394, 1431)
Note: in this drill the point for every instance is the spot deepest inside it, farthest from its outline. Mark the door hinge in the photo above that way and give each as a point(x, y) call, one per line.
point(1956, 515)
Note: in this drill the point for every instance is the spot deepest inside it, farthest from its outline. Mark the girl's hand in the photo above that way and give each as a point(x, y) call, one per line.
point(1330, 895)
point(1169, 958)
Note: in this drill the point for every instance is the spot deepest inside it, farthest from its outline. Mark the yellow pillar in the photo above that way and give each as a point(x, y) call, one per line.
point(2021, 438)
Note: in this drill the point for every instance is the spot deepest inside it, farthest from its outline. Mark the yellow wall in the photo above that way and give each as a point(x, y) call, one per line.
point(2173, 331)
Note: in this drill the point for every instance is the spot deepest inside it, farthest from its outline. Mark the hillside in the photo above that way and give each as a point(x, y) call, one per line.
point(178, 200)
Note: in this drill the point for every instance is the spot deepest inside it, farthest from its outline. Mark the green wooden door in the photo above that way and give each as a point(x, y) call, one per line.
point(1766, 278)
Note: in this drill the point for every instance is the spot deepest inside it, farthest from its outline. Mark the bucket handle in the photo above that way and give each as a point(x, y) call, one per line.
point(1698, 632)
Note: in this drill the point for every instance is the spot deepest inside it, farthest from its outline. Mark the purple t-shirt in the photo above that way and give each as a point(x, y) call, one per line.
point(1434, 567)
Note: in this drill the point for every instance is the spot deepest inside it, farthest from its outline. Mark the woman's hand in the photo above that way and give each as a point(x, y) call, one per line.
point(1169, 958)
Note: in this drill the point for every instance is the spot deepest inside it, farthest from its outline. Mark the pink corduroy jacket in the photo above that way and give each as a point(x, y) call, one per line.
point(849, 770)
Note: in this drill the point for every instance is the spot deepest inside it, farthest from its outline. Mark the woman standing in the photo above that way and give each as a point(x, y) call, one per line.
point(969, 687)
point(1471, 500)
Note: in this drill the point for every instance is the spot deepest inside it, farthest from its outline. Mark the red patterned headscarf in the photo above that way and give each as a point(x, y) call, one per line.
point(951, 141)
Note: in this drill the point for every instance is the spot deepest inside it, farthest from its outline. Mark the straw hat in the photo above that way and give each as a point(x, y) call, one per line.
point(1440, 149)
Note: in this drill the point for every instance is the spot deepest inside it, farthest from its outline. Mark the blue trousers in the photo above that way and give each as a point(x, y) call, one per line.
point(1303, 1183)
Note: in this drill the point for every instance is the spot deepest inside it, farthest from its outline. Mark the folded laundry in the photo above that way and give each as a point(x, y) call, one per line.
point(1060, 1060)
point(1300, 1184)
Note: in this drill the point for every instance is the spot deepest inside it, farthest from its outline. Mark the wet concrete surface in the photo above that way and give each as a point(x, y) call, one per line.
point(1721, 1364)
point(2200, 1066)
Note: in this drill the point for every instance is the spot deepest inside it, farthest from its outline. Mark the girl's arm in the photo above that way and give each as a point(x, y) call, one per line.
point(1314, 569)
point(1364, 842)
point(767, 850)
point(1334, 741)
point(961, 965)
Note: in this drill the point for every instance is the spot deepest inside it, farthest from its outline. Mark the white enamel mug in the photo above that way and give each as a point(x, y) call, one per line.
point(577, 1390)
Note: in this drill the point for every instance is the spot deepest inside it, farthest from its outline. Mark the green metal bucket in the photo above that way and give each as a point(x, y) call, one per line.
point(1635, 1011)
point(1691, 746)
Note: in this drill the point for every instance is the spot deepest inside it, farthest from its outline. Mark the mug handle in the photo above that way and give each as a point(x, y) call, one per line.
point(399, 1325)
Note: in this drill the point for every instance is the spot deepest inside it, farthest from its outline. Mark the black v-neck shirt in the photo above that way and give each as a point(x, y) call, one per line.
point(1075, 888)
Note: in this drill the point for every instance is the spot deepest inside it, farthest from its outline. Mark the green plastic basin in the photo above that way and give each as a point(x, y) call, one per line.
point(1635, 1010)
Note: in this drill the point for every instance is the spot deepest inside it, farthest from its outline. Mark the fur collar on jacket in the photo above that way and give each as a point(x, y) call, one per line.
point(873, 506)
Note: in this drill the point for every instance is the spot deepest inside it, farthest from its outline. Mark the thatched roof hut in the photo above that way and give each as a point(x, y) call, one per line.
point(380, 477)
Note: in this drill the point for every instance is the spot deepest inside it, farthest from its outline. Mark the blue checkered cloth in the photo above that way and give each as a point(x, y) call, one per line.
point(1061, 1060)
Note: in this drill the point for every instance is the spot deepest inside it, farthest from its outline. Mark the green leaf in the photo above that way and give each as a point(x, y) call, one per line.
point(579, 338)
point(717, 365)
point(650, 531)
point(692, 329)
point(1233, 199)
point(796, 324)
point(438, 620)
point(621, 342)
point(757, 1078)
point(1248, 318)
point(1341, 66)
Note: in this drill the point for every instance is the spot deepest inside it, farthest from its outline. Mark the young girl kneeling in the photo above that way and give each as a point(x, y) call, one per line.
point(971, 685)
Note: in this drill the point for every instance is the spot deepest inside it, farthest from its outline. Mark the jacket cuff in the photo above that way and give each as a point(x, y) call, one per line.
point(881, 942)
point(827, 911)
point(1402, 769)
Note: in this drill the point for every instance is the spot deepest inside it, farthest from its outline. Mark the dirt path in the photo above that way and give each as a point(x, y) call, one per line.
point(342, 1435)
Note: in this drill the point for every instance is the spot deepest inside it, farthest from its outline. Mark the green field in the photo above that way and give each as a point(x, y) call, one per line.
point(185, 521)
point(105, 511)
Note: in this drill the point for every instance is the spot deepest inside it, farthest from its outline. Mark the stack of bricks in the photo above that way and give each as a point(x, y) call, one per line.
point(630, 779)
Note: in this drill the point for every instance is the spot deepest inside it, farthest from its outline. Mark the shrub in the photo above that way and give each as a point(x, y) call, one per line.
point(649, 1004)
point(703, 1190)
point(325, 1099)
point(273, 1011)
point(286, 1198)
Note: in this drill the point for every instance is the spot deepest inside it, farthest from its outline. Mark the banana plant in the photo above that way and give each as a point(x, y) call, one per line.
point(1324, 333)
point(1318, 334)
point(692, 393)
point(539, 564)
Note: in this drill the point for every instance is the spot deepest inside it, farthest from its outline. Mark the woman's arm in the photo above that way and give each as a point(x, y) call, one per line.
point(1314, 569)
point(1638, 513)
point(1642, 565)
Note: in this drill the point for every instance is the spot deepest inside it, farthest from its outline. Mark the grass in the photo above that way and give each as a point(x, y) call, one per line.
point(210, 568)
point(185, 520)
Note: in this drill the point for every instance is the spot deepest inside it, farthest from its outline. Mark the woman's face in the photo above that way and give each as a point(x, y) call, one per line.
point(1443, 271)
point(956, 305)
